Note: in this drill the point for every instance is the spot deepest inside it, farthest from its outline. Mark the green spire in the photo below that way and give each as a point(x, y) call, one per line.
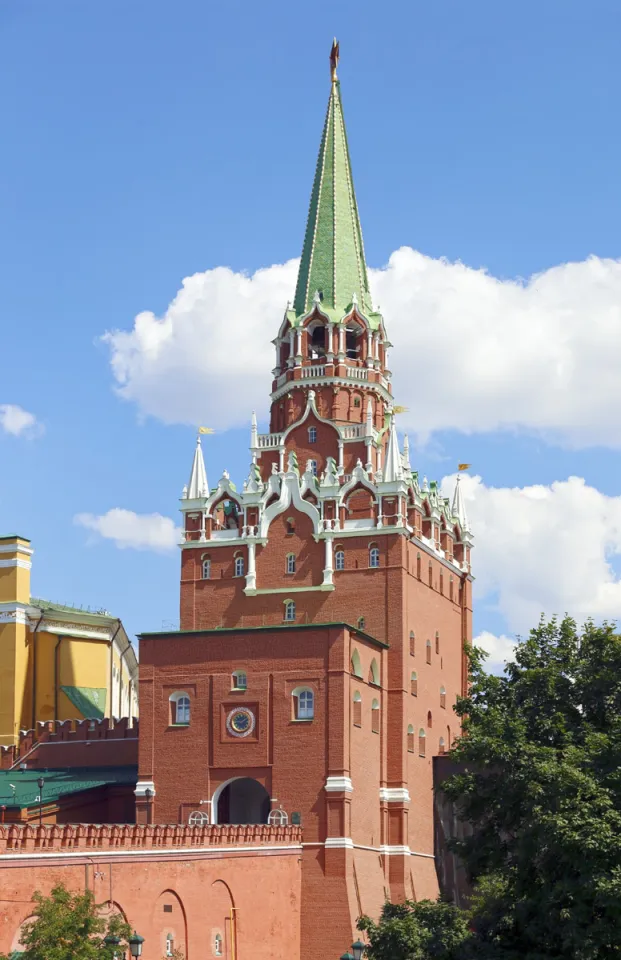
point(333, 254)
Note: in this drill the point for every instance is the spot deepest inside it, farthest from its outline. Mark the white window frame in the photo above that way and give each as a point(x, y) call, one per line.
point(291, 563)
point(207, 569)
point(313, 467)
point(374, 557)
point(339, 560)
point(170, 945)
point(218, 944)
point(312, 434)
point(239, 566)
point(183, 707)
point(289, 614)
point(236, 676)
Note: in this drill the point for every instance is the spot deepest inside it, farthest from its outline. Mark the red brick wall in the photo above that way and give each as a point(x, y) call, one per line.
point(211, 881)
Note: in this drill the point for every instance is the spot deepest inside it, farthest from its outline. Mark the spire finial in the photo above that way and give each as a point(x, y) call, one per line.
point(334, 59)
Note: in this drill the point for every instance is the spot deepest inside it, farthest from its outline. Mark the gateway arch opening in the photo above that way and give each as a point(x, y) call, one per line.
point(243, 801)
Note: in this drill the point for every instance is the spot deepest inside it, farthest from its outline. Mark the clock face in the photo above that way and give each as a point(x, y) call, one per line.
point(240, 722)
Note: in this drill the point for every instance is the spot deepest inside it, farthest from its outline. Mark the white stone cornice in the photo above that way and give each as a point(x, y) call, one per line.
point(16, 547)
point(331, 381)
point(394, 794)
point(142, 786)
point(339, 843)
point(341, 784)
point(16, 562)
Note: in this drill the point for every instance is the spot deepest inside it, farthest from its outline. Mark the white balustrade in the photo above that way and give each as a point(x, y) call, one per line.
point(269, 441)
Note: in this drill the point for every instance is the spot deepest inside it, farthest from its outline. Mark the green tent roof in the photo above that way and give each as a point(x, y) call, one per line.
point(333, 255)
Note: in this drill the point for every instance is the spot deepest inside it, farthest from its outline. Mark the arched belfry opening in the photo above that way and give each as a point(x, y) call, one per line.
point(242, 800)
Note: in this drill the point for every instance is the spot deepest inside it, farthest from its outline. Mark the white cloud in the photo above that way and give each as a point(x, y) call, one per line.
point(499, 649)
point(146, 531)
point(543, 549)
point(15, 420)
point(472, 352)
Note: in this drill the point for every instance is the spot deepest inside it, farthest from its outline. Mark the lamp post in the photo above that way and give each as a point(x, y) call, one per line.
point(148, 795)
point(135, 944)
point(358, 949)
point(112, 941)
point(40, 783)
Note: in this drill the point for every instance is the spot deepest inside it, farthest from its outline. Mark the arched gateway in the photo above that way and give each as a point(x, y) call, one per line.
point(241, 800)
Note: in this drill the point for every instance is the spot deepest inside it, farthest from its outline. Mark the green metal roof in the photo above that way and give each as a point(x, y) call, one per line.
point(58, 783)
point(333, 254)
point(269, 627)
point(65, 608)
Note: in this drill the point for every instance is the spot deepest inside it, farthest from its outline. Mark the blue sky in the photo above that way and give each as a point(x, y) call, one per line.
point(146, 142)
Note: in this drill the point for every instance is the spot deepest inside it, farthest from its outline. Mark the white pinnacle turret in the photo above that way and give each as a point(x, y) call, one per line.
point(459, 507)
point(197, 484)
point(405, 459)
point(393, 469)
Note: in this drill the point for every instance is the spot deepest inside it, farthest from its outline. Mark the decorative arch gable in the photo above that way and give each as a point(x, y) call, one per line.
point(311, 407)
point(290, 495)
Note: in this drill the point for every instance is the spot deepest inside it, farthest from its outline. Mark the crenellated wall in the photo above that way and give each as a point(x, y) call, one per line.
point(74, 743)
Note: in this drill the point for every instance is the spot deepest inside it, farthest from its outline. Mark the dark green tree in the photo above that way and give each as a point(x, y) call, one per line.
point(417, 931)
point(67, 926)
point(541, 788)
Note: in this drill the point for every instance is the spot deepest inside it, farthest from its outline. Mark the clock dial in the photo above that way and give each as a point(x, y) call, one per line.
point(240, 722)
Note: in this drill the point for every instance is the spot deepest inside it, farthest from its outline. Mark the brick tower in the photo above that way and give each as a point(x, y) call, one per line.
point(324, 607)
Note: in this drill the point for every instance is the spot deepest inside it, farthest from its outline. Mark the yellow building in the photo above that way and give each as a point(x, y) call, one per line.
point(57, 662)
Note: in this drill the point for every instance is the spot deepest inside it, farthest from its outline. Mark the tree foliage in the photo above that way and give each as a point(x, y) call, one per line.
point(540, 786)
point(416, 931)
point(67, 926)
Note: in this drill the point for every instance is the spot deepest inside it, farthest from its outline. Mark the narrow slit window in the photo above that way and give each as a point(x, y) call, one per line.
point(357, 711)
point(375, 717)
point(414, 684)
point(206, 569)
point(421, 742)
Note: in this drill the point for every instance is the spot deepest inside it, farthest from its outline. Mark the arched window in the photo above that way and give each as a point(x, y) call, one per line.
point(448, 737)
point(410, 739)
point(239, 679)
point(356, 401)
point(303, 703)
point(374, 557)
point(217, 945)
point(290, 563)
point(374, 674)
point(437, 642)
point(428, 651)
point(412, 644)
point(170, 945)
point(206, 568)
point(339, 560)
point(375, 717)
point(313, 467)
point(414, 684)
point(312, 434)
point(430, 574)
point(239, 566)
point(418, 566)
point(450, 588)
point(429, 719)
point(278, 818)
point(356, 666)
point(441, 582)
point(421, 742)
point(441, 746)
point(179, 708)
point(290, 526)
point(357, 711)
point(289, 610)
point(361, 623)
point(443, 698)
point(198, 819)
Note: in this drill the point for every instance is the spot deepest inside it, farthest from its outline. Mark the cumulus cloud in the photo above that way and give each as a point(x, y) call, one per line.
point(543, 549)
point(129, 530)
point(499, 649)
point(17, 421)
point(541, 355)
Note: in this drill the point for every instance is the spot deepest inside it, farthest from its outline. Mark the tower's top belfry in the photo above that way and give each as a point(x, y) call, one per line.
point(333, 263)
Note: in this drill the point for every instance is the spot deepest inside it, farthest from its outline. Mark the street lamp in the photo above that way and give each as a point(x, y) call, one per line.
point(148, 794)
point(346, 956)
point(112, 941)
point(135, 944)
point(40, 783)
point(358, 949)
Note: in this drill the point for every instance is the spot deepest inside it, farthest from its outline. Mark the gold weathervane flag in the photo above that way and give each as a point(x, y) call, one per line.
point(463, 466)
point(206, 430)
point(399, 409)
